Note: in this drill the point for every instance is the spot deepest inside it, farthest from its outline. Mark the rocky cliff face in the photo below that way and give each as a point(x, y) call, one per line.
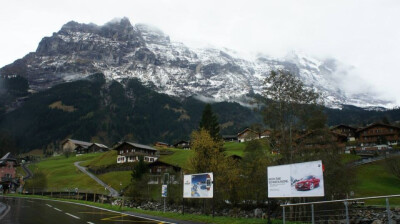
point(121, 50)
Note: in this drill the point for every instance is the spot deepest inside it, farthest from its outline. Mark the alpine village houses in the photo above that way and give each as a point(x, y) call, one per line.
point(131, 152)
point(377, 133)
point(82, 147)
point(8, 177)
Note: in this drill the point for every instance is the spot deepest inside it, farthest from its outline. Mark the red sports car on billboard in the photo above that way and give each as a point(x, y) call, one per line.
point(307, 183)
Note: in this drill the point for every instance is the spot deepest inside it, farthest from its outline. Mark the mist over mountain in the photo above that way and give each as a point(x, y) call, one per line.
point(122, 51)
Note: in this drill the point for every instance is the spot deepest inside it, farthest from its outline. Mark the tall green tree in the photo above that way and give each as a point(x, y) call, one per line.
point(209, 122)
point(254, 165)
point(139, 169)
point(207, 152)
point(286, 97)
point(209, 157)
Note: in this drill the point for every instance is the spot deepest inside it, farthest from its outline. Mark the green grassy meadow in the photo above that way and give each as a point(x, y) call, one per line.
point(103, 160)
point(180, 157)
point(62, 174)
point(348, 158)
point(234, 148)
point(374, 180)
point(117, 180)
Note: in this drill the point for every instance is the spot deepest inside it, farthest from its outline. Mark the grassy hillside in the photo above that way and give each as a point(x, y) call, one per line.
point(61, 173)
point(90, 110)
point(103, 160)
point(234, 148)
point(373, 180)
point(178, 157)
point(117, 180)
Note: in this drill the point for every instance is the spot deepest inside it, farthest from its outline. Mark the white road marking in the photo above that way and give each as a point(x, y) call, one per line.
point(49, 205)
point(57, 209)
point(73, 216)
point(5, 213)
point(91, 206)
point(90, 222)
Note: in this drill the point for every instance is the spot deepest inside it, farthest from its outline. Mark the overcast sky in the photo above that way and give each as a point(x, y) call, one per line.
point(364, 34)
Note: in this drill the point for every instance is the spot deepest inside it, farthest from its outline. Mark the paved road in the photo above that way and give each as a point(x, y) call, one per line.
point(372, 159)
point(27, 171)
point(113, 192)
point(28, 211)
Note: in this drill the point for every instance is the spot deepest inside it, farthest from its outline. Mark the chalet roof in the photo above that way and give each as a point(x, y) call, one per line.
point(181, 141)
point(78, 142)
point(377, 124)
point(317, 132)
point(245, 130)
point(158, 162)
point(344, 125)
point(137, 145)
point(7, 157)
point(99, 145)
point(162, 143)
point(266, 131)
point(229, 136)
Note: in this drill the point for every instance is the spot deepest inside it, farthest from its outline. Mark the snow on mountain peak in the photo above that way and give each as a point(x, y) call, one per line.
point(121, 50)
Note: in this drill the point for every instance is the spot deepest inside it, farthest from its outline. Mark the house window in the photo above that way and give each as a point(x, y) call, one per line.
point(151, 159)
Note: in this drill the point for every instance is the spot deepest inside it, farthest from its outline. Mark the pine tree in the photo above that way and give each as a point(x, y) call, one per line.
point(209, 122)
point(139, 169)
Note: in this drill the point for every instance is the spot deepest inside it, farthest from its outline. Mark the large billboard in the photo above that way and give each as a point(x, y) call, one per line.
point(296, 180)
point(198, 185)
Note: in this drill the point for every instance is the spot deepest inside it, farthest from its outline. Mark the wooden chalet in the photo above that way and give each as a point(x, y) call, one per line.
point(158, 168)
point(97, 147)
point(320, 139)
point(347, 130)
point(266, 133)
point(182, 144)
point(8, 174)
point(230, 138)
point(161, 144)
point(377, 133)
point(131, 152)
point(247, 135)
point(72, 145)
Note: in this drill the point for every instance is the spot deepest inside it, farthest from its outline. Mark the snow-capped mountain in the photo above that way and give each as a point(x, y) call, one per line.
point(121, 50)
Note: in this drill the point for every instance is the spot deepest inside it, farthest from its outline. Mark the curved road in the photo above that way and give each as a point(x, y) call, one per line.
point(27, 211)
point(373, 159)
point(28, 172)
point(113, 192)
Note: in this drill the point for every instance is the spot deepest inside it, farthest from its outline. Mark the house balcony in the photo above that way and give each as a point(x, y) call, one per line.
point(7, 179)
point(386, 133)
point(137, 154)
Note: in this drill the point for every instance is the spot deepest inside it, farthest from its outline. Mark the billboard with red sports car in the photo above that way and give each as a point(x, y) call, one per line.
point(296, 180)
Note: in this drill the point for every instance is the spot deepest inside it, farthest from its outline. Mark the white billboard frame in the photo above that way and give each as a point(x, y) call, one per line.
point(199, 185)
point(296, 180)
